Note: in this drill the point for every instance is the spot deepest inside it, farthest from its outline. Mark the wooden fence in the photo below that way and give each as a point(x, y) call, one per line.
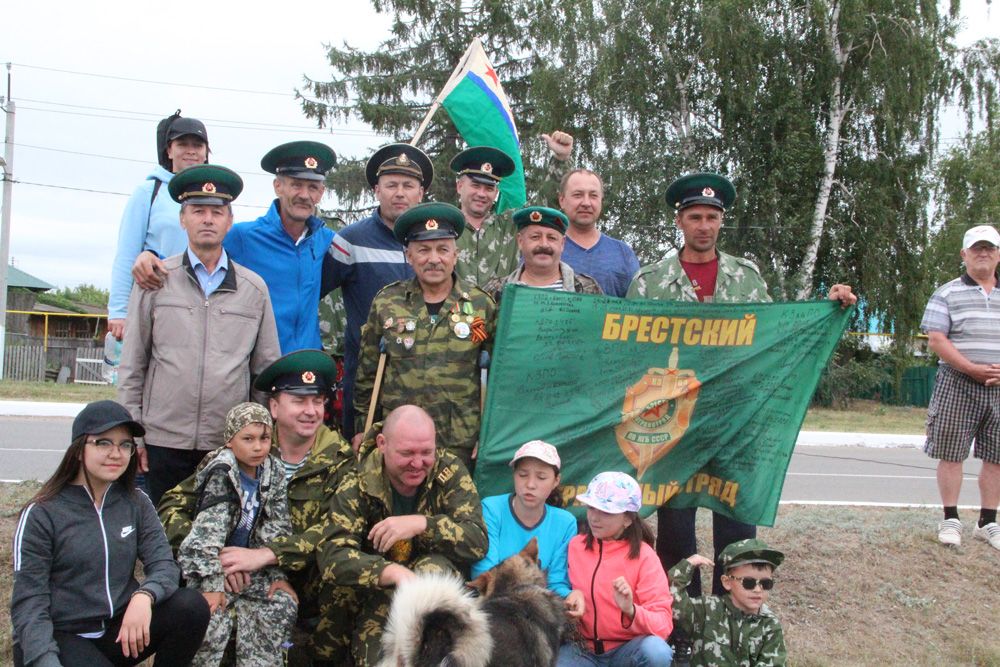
point(24, 362)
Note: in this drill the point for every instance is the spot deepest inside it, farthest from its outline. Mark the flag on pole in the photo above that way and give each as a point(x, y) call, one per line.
point(479, 108)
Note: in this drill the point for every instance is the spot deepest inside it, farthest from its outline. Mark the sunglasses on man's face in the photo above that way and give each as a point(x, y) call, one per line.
point(750, 583)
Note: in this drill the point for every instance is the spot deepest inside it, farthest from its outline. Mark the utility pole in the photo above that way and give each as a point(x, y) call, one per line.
point(8, 187)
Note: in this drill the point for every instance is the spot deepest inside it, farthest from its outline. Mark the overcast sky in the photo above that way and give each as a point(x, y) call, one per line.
point(67, 121)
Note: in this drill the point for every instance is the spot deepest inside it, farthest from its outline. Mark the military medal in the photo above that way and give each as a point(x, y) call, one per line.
point(462, 330)
point(467, 308)
point(398, 340)
point(411, 325)
point(469, 318)
point(408, 343)
point(388, 323)
point(455, 317)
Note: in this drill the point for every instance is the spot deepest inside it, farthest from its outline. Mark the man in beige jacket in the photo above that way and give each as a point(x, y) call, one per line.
point(192, 347)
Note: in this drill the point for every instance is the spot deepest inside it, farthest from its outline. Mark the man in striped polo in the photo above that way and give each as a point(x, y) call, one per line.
point(962, 322)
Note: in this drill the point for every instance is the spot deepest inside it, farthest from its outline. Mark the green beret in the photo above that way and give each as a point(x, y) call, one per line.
point(745, 552)
point(209, 184)
point(400, 159)
point(425, 222)
point(541, 215)
point(303, 372)
point(308, 160)
point(708, 189)
point(483, 164)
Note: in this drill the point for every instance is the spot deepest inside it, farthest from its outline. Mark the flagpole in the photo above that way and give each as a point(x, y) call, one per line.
point(437, 101)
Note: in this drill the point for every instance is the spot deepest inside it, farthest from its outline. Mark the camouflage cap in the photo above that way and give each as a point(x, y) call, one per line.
point(244, 414)
point(749, 551)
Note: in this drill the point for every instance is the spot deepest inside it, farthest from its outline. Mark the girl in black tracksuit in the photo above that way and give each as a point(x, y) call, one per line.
point(76, 600)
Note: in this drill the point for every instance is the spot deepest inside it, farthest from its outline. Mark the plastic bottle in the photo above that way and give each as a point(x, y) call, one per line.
point(112, 357)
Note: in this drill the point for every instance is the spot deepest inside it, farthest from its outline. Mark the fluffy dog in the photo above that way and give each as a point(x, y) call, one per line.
point(516, 621)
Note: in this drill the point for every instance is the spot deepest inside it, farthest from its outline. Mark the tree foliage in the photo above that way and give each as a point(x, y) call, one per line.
point(825, 113)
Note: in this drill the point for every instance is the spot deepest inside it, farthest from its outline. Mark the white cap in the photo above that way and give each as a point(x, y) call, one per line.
point(540, 450)
point(981, 233)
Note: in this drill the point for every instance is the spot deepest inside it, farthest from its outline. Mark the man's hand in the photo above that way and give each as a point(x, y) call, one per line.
point(698, 560)
point(623, 596)
point(282, 585)
point(987, 374)
point(149, 271)
point(241, 559)
point(843, 294)
point(575, 604)
point(993, 380)
point(560, 143)
point(134, 632)
point(356, 442)
point(143, 464)
point(216, 600)
point(387, 532)
point(116, 328)
point(394, 574)
point(236, 582)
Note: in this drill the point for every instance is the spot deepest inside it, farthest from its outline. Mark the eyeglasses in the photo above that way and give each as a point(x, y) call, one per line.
point(750, 583)
point(126, 447)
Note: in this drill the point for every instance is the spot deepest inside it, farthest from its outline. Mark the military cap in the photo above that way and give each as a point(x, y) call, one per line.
point(745, 552)
point(541, 215)
point(483, 164)
point(308, 160)
point(702, 188)
point(432, 220)
point(209, 184)
point(304, 373)
point(400, 159)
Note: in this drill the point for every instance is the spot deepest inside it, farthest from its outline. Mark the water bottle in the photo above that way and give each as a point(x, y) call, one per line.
point(112, 357)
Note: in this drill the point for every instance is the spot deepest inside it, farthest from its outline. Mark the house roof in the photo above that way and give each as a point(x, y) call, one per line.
point(18, 278)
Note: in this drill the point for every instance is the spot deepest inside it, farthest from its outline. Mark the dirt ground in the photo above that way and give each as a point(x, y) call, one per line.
point(860, 586)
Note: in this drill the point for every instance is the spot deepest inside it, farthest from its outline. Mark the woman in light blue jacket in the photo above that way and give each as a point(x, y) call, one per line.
point(151, 219)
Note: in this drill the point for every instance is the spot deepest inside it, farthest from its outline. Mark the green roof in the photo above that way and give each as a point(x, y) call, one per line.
point(18, 278)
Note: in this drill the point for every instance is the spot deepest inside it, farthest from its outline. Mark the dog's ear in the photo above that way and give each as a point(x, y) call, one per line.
point(482, 583)
point(530, 550)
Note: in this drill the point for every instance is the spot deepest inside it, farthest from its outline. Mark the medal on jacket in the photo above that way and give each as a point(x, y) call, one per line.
point(462, 330)
point(411, 325)
point(478, 329)
point(408, 343)
point(400, 551)
point(388, 323)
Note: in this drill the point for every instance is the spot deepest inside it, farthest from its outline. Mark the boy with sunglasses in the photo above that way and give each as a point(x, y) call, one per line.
point(736, 629)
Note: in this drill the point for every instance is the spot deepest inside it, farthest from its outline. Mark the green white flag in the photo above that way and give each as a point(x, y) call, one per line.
point(701, 402)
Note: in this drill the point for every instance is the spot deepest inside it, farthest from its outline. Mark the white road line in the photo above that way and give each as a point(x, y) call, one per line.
point(848, 474)
point(859, 503)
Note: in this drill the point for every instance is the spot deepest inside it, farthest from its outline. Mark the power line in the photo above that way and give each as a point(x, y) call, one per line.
point(123, 159)
point(105, 192)
point(150, 81)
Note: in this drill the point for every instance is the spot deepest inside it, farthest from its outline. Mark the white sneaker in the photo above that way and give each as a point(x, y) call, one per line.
point(950, 532)
point(990, 533)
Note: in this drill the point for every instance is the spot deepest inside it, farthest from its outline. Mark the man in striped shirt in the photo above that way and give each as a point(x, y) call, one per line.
point(962, 322)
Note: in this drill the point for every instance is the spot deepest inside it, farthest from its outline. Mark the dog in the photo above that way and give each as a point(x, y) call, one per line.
point(515, 622)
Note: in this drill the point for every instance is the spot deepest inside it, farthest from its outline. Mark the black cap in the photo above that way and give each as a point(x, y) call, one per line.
point(184, 126)
point(702, 188)
point(209, 184)
point(425, 222)
point(400, 159)
point(483, 164)
point(308, 160)
point(102, 416)
point(303, 372)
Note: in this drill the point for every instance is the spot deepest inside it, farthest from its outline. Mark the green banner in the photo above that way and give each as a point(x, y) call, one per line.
point(701, 402)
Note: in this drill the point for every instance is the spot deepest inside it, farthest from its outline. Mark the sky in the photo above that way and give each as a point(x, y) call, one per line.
point(235, 68)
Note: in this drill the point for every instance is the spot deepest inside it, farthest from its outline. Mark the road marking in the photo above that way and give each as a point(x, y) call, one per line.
point(846, 474)
point(859, 503)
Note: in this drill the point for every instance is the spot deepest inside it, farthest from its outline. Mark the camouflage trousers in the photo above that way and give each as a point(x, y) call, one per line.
point(374, 612)
point(326, 618)
point(261, 626)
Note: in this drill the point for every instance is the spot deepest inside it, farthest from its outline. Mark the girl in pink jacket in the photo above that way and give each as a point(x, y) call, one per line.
point(628, 615)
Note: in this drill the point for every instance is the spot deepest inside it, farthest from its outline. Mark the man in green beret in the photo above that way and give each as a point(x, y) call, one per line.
point(541, 236)
point(365, 256)
point(487, 249)
point(186, 359)
point(736, 628)
point(315, 460)
point(432, 329)
point(701, 272)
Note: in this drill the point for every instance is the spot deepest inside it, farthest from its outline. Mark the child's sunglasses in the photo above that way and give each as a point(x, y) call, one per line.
point(750, 583)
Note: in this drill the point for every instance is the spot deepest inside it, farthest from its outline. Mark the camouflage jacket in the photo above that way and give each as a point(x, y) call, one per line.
point(448, 498)
point(572, 282)
point(738, 281)
point(433, 365)
point(723, 635)
point(308, 490)
point(219, 508)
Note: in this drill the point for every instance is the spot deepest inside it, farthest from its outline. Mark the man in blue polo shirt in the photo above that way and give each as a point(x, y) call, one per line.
point(365, 256)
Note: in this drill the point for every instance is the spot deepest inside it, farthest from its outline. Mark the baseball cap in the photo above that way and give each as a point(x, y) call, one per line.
point(980, 233)
point(101, 416)
point(612, 492)
point(537, 449)
point(184, 126)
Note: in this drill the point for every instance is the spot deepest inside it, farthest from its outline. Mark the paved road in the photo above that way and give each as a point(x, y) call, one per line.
point(31, 447)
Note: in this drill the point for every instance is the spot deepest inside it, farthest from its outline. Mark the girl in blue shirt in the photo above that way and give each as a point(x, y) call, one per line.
point(533, 510)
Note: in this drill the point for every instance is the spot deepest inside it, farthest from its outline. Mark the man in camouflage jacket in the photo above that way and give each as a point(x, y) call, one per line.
point(325, 612)
point(433, 329)
point(408, 507)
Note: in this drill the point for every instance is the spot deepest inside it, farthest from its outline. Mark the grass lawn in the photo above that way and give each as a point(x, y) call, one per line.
point(860, 586)
point(867, 417)
point(50, 391)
